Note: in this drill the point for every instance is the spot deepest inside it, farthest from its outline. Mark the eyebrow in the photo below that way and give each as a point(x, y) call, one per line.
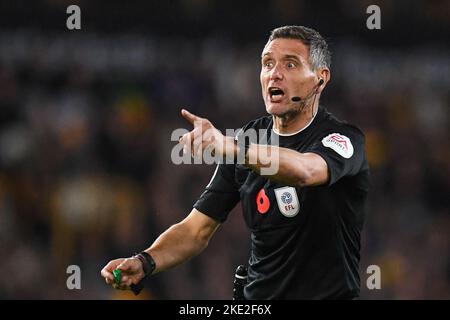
point(291, 56)
point(286, 56)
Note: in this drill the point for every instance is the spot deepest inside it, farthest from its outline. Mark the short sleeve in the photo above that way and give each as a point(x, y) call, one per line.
point(343, 150)
point(221, 194)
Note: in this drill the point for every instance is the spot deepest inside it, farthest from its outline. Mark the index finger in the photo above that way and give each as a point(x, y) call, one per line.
point(107, 274)
point(189, 116)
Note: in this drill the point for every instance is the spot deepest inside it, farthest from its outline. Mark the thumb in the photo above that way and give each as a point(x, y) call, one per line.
point(124, 266)
point(189, 116)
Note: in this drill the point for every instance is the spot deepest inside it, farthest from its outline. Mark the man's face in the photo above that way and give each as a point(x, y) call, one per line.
point(285, 73)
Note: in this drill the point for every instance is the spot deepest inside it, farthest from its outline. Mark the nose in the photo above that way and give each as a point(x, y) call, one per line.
point(276, 73)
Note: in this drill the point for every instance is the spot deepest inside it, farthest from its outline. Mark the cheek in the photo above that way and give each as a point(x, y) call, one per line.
point(304, 80)
point(308, 76)
point(263, 82)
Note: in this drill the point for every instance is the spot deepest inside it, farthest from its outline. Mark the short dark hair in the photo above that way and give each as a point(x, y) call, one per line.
point(319, 55)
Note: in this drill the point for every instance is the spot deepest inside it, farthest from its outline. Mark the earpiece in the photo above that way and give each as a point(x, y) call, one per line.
point(320, 82)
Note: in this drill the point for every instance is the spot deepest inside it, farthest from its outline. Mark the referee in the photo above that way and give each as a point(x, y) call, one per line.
point(306, 218)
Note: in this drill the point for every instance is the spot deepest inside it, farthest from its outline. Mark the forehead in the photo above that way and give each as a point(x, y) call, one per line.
point(284, 47)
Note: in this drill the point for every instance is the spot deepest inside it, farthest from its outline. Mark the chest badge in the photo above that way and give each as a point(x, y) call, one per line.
point(287, 201)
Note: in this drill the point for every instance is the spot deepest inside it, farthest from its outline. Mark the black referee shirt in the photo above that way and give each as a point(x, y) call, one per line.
point(305, 241)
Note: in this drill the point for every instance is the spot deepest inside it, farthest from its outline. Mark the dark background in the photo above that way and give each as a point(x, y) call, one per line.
point(86, 118)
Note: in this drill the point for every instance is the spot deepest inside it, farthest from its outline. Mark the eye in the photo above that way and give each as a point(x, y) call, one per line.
point(291, 65)
point(268, 64)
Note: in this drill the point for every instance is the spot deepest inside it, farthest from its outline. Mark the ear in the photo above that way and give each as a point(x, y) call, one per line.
point(325, 74)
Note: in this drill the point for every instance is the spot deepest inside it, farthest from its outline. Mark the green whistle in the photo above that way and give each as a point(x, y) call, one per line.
point(117, 276)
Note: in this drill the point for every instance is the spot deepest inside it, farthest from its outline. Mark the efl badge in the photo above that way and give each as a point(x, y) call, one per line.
point(339, 143)
point(287, 201)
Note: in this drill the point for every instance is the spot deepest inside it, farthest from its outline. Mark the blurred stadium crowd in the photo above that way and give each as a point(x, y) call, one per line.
point(85, 126)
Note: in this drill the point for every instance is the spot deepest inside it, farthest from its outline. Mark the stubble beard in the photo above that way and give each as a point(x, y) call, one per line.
point(301, 109)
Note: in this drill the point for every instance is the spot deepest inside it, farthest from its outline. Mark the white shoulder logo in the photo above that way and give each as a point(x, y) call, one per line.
point(339, 143)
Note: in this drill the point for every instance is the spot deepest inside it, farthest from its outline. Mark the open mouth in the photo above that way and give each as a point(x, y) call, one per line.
point(276, 94)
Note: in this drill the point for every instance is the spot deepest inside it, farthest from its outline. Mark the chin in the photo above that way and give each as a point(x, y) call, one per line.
point(276, 109)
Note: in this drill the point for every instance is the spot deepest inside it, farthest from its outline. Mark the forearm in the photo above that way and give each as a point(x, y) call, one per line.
point(175, 246)
point(290, 167)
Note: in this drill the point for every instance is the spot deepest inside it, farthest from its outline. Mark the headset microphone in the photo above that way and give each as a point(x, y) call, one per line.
point(297, 99)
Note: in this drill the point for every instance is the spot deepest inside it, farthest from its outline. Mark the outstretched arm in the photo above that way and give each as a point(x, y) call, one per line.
point(292, 167)
point(174, 246)
point(183, 240)
point(286, 165)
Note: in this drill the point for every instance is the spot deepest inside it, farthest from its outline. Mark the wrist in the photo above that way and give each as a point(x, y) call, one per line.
point(147, 263)
point(241, 146)
point(251, 154)
point(147, 266)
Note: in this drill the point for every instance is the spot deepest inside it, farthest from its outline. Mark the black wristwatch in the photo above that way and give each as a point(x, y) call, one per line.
point(243, 142)
point(148, 265)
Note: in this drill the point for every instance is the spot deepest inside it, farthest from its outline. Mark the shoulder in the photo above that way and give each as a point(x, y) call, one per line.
point(340, 136)
point(332, 124)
